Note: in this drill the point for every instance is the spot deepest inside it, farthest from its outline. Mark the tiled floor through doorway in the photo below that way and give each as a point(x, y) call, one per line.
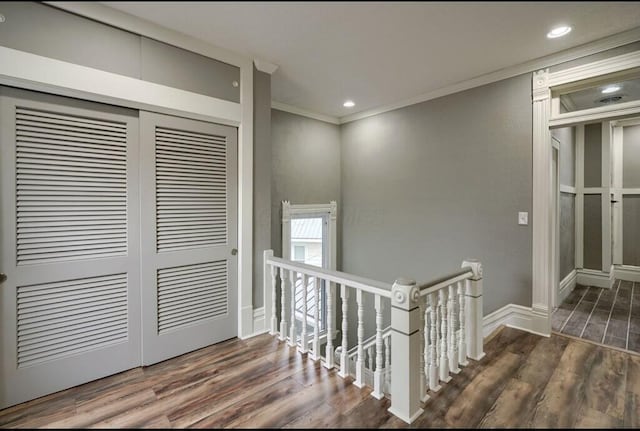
point(607, 316)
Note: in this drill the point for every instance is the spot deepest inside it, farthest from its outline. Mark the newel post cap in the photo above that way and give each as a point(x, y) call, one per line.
point(404, 293)
point(475, 266)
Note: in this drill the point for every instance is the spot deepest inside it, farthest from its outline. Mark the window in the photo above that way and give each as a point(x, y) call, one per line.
point(298, 253)
point(308, 237)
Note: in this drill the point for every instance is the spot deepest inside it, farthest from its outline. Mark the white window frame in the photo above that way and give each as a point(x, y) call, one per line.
point(330, 211)
point(546, 88)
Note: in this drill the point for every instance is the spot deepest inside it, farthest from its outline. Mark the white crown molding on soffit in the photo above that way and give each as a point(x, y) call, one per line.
point(304, 112)
point(265, 66)
point(584, 50)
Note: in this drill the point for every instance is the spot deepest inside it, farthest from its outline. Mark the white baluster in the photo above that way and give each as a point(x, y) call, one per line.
point(344, 355)
point(423, 349)
point(387, 363)
point(360, 361)
point(316, 318)
point(292, 331)
point(377, 376)
point(304, 340)
point(453, 341)
point(284, 281)
point(462, 341)
point(444, 361)
point(329, 351)
point(274, 318)
point(370, 357)
point(434, 383)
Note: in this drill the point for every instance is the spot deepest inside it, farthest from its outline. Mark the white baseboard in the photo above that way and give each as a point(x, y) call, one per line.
point(567, 285)
point(589, 277)
point(518, 317)
point(627, 273)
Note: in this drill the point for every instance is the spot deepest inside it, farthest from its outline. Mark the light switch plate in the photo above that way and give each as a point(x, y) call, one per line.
point(523, 218)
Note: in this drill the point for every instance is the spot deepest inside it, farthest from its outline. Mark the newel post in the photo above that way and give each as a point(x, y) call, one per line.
point(269, 279)
point(474, 313)
point(405, 350)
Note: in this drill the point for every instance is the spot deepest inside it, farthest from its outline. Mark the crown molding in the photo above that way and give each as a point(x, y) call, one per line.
point(305, 113)
point(584, 50)
point(265, 66)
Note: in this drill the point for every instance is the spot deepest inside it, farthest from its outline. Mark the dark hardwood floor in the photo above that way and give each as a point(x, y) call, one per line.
point(524, 381)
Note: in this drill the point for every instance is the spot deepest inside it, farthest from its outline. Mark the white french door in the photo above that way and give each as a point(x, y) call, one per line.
point(70, 303)
point(189, 235)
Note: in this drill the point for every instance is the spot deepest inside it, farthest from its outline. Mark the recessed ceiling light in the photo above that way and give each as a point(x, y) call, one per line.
point(611, 89)
point(349, 104)
point(559, 31)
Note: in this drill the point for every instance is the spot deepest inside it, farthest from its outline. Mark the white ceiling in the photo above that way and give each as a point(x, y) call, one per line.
point(380, 53)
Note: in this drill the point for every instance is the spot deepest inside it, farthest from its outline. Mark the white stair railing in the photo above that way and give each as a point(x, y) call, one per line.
point(435, 327)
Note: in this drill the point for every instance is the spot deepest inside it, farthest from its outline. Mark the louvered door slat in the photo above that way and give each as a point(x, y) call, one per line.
point(182, 158)
point(64, 165)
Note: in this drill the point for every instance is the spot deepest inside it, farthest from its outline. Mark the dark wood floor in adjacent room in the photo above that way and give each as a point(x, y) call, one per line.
point(524, 381)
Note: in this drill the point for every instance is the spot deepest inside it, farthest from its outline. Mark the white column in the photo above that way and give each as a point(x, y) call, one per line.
point(304, 340)
point(453, 337)
point(405, 355)
point(344, 355)
point(270, 272)
point(434, 382)
point(387, 363)
point(316, 318)
point(360, 360)
point(444, 341)
point(284, 281)
point(292, 330)
point(462, 339)
point(377, 376)
point(473, 318)
point(329, 361)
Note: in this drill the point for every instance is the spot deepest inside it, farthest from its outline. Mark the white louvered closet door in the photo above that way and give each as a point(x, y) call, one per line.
point(70, 306)
point(189, 232)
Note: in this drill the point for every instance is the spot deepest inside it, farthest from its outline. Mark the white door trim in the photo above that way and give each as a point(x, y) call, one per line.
point(38, 73)
point(542, 85)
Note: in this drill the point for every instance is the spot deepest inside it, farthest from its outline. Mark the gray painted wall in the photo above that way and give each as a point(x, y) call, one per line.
point(261, 179)
point(44, 30)
point(425, 186)
point(567, 234)
point(631, 157)
point(593, 155)
point(305, 167)
point(631, 230)
point(592, 253)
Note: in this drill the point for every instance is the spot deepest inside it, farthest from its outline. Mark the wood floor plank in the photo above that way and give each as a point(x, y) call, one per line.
point(523, 381)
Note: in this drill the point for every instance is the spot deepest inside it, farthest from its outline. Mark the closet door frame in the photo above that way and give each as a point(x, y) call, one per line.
point(34, 72)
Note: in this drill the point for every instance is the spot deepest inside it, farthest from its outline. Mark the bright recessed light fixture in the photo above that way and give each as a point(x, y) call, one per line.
point(611, 89)
point(349, 104)
point(559, 31)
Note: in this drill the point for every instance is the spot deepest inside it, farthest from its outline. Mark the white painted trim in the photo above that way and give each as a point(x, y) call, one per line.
point(616, 165)
point(567, 285)
point(259, 322)
point(592, 190)
point(626, 122)
point(606, 195)
point(116, 18)
point(604, 44)
point(630, 191)
point(590, 277)
point(567, 189)
point(35, 72)
point(593, 114)
point(304, 112)
point(579, 214)
point(518, 317)
point(627, 273)
point(574, 77)
point(265, 66)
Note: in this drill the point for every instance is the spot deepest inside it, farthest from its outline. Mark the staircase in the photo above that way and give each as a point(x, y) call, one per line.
point(435, 326)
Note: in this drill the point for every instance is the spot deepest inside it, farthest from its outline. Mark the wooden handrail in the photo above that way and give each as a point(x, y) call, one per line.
point(364, 284)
